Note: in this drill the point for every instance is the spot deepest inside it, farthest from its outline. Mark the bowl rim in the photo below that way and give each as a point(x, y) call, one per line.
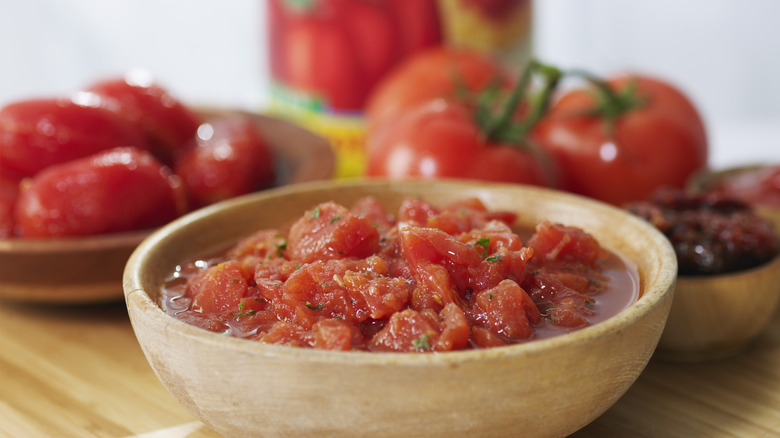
point(138, 299)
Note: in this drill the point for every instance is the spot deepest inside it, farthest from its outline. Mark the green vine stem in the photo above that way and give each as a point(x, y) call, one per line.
point(503, 128)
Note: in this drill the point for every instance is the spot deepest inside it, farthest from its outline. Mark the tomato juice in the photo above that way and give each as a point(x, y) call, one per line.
point(424, 278)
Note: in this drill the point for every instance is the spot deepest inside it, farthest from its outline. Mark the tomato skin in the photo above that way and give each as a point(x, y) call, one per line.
point(429, 74)
point(230, 158)
point(9, 192)
point(659, 144)
point(441, 140)
point(117, 190)
point(38, 133)
point(167, 123)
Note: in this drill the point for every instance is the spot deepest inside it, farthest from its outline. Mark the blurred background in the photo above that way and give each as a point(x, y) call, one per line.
point(725, 54)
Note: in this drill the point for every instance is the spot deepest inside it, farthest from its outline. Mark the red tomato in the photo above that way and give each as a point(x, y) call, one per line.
point(430, 74)
point(441, 140)
point(336, 50)
point(9, 192)
point(228, 157)
point(38, 133)
point(662, 142)
point(167, 123)
point(117, 190)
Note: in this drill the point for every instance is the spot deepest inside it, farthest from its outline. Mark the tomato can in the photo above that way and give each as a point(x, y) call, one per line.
point(326, 56)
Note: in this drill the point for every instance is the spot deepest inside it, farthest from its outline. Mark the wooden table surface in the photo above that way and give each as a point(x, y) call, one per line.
point(78, 372)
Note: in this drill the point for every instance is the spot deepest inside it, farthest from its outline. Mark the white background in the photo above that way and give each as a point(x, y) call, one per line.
point(724, 53)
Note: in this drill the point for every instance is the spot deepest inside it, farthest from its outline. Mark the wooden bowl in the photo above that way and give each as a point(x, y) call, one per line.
point(707, 180)
point(714, 317)
point(89, 269)
point(547, 387)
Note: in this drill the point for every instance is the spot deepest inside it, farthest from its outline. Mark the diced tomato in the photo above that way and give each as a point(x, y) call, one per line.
point(335, 334)
point(284, 333)
point(455, 329)
point(408, 330)
point(506, 310)
point(371, 209)
point(341, 279)
point(264, 244)
point(555, 242)
point(416, 211)
point(331, 231)
point(218, 289)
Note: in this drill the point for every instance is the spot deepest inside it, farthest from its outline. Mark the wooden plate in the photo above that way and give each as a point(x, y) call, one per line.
point(89, 269)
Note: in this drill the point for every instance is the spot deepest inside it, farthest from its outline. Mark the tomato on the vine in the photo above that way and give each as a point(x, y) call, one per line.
point(474, 138)
point(441, 140)
point(438, 72)
point(624, 139)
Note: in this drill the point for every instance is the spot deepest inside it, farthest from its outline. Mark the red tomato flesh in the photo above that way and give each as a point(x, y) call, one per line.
point(333, 281)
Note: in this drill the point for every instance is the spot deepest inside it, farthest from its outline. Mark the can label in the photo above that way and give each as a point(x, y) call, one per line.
point(326, 56)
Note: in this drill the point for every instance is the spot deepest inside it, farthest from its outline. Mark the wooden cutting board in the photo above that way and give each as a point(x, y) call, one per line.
point(79, 372)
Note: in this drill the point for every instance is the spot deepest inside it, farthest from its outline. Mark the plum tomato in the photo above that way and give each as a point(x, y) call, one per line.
point(441, 140)
point(228, 157)
point(38, 133)
point(167, 123)
point(433, 73)
point(625, 138)
point(9, 192)
point(116, 190)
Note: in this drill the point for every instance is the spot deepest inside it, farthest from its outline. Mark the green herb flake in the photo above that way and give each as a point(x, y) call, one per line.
point(422, 344)
point(483, 242)
point(490, 297)
point(335, 218)
point(315, 214)
point(310, 306)
point(495, 258)
point(247, 313)
point(588, 304)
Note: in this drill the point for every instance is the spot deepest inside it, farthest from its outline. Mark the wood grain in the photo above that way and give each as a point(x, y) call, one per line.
point(79, 372)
